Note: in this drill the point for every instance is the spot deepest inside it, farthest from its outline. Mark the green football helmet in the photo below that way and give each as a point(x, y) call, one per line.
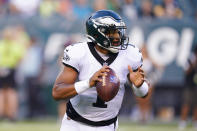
point(102, 22)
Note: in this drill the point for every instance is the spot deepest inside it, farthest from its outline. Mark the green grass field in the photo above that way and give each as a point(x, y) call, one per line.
point(53, 126)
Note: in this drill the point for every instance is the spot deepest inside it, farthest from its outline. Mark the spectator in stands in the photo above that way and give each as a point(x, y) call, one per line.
point(48, 8)
point(129, 9)
point(99, 5)
point(25, 8)
point(146, 10)
point(65, 8)
point(109, 4)
point(11, 53)
point(168, 9)
point(81, 9)
point(113, 5)
point(190, 91)
point(20, 35)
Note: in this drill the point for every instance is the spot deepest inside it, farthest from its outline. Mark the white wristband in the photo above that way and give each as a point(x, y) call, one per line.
point(142, 90)
point(81, 86)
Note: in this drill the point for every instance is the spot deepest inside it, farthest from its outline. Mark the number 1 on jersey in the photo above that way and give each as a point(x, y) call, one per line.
point(99, 103)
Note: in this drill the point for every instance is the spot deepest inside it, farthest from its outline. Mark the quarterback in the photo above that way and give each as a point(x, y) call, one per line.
point(85, 64)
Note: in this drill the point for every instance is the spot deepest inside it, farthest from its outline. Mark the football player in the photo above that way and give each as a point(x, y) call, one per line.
point(86, 62)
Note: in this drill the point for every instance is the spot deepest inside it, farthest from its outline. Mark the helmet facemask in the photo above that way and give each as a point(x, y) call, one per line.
point(119, 42)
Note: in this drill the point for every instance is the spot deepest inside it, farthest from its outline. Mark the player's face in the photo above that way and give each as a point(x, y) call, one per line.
point(114, 37)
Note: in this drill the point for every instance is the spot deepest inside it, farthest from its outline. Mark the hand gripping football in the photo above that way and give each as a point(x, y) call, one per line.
point(109, 87)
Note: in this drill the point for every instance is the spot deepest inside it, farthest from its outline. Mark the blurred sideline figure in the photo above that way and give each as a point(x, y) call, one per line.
point(31, 68)
point(129, 9)
point(153, 72)
point(81, 9)
point(190, 91)
point(145, 10)
point(11, 53)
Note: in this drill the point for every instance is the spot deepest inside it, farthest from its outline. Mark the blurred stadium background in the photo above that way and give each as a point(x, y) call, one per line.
point(165, 30)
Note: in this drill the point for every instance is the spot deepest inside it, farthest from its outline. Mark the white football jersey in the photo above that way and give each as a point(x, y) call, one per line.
point(85, 60)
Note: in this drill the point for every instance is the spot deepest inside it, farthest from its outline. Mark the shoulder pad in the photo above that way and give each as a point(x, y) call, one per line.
point(74, 50)
point(134, 55)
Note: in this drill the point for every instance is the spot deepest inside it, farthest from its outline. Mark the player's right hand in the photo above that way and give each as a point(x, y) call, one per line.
point(97, 76)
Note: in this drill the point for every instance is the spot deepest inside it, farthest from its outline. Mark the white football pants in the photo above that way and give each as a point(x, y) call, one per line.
point(71, 125)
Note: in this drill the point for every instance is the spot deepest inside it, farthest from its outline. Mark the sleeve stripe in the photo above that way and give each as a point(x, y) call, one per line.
point(71, 67)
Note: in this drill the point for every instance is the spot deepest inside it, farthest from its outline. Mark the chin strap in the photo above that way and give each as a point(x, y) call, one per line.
point(91, 38)
point(113, 50)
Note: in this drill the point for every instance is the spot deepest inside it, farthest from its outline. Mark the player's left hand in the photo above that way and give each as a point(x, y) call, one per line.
point(137, 77)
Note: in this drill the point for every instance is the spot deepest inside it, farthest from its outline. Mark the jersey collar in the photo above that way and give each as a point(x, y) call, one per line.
point(112, 56)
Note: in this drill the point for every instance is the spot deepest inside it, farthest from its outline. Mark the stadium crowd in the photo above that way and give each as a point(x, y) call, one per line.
point(80, 9)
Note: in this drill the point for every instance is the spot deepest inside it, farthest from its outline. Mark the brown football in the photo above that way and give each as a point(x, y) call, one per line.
point(109, 87)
